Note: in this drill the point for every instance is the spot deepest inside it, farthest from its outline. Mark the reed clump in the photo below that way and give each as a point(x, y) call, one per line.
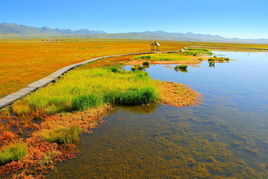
point(12, 152)
point(197, 51)
point(181, 67)
point(134, 96)
point(62, 135)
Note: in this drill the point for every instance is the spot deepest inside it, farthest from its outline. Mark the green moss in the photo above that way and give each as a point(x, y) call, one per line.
point(12, 152)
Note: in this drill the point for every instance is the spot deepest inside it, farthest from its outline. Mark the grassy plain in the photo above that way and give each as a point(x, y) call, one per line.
point(24, 61)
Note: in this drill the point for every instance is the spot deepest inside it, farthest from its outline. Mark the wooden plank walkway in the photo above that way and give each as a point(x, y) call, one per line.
point(9, 99)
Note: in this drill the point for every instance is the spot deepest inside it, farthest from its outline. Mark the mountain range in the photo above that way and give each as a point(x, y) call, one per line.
point(8, 29)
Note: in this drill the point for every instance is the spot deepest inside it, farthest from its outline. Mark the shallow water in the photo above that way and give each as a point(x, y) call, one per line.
point(226, 135)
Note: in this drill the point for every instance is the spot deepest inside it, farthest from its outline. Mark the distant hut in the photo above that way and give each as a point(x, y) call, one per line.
point(155, 46)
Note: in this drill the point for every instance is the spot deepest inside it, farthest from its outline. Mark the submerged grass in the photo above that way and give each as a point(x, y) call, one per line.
point(12, 152)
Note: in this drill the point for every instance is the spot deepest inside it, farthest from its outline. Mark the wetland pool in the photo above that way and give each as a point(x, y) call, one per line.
point(224, 136)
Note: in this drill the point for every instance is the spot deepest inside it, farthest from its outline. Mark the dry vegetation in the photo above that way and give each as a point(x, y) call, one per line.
point(25, 61)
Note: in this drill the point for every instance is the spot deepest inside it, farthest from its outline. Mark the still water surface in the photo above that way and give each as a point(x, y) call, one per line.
point(226, 135)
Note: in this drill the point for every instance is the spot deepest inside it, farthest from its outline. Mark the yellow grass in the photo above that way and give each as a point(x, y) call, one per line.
point(25, 61)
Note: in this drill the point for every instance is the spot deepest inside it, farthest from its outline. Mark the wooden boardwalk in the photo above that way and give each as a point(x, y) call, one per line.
point(9, 99)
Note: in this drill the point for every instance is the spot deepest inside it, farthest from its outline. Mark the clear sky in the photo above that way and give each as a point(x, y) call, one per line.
point(229, 18)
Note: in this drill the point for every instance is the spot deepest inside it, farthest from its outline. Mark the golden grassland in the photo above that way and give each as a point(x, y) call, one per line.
point(25, 61)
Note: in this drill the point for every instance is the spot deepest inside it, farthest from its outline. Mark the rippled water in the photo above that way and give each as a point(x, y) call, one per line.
point(226, 135)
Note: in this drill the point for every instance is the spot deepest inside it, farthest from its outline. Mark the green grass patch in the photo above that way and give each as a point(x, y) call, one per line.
point(146, 63)
point(197, 51)
point(62, 135)
point(84, 88)
point(218, 59)
point(135, 96)
point(84, 102)
point(181, 67)
point(162, 57)
point(137, 68)
point(12, 152)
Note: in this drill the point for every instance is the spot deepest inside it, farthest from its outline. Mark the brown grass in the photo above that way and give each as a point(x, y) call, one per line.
point(25, 61)
point(176, 94)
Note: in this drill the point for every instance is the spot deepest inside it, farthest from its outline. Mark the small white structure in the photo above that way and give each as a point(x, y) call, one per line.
point(155, 46)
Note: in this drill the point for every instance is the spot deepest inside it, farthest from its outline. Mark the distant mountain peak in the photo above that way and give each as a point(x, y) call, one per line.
point(22, 30)
point(11, 28)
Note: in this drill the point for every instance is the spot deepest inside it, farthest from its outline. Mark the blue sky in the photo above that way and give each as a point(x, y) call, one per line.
point(229, 18)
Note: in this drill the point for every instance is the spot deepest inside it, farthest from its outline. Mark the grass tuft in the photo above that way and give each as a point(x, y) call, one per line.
point(182, 67)
point(132, 96)
point(84, 102)
point(12, 152)
point(62, 135)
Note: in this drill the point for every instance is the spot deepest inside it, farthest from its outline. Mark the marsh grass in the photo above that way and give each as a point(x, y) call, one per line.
point(218, 59)
point(138, 68)
point(63, 135)
point(135, 96)
point(85, 88)
point(12, 152)
point(197, 51)
point(84, 102)
point(182, 67)
point(146, 63)
point(162, 57)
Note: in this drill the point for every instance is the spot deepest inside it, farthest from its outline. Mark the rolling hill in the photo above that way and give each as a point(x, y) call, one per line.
point(9, 29)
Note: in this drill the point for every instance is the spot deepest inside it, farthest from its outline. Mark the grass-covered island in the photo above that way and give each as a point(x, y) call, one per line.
point(48, 122)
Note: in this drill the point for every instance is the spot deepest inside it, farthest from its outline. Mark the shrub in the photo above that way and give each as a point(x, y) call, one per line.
point(145, 57)
point(211, 64)
point(137, 68)
point(181, 67)
point(84, 102)
point(211, 60)
point(133, 96)
point(62, 135)
point(145, 63)
point(116, 69)
point(12, 152)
